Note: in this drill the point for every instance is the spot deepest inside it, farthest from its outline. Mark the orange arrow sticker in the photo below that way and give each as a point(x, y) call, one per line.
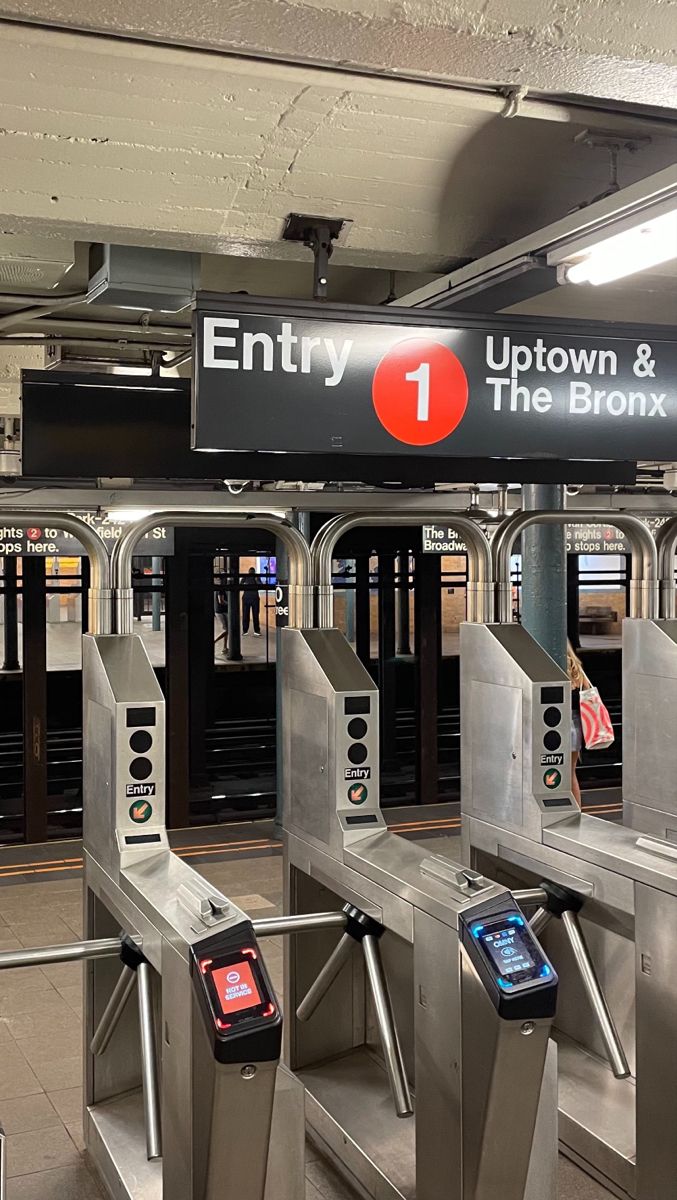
point(552, 779)
point(357, 794)
point(140, 813)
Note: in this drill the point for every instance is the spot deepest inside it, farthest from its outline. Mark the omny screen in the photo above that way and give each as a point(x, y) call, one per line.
point(510, 949)
point(236, 988)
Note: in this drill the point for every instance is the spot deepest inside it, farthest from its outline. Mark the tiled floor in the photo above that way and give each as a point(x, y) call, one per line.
point(40, 1038)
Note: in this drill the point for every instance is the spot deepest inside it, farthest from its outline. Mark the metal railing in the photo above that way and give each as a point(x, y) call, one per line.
point(99, 599)
point(666, 545)
point(644, 581)
point(479, 589)
point(300, 578)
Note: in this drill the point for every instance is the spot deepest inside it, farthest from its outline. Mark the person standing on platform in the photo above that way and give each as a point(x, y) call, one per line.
point(221, 610)
point(251, 603)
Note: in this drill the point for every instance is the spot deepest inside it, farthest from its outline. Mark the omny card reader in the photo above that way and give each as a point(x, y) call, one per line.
point(519, 979)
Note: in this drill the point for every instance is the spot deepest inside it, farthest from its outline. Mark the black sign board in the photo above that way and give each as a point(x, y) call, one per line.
point(580, 539)
point(281, 605)
point(37, 541)
point(324, 379)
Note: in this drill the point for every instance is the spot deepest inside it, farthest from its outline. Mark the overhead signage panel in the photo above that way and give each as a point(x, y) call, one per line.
point(311, 378)
point(46, 541)
point(580, 539)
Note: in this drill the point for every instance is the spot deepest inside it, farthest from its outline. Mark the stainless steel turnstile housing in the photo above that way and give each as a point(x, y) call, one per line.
point(476, 1078)
point(521, 826)
point(199, 1127)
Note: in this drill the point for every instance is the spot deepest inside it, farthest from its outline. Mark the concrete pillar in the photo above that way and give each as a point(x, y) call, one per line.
point(544, 611)
point(156, 594)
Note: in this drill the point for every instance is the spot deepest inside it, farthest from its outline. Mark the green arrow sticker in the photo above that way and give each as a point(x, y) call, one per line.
point(357, 793)
point(552, 779)
point(140, 812)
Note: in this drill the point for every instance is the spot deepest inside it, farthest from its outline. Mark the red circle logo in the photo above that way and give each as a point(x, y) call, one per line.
point(33, 534)
point(420, 392)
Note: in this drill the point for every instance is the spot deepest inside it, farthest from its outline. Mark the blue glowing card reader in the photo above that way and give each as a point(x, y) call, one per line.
point(511, 963)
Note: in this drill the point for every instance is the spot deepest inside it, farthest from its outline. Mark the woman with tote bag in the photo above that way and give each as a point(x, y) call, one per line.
point(590, 721)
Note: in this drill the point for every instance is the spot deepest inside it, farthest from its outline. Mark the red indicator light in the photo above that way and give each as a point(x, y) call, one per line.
point(222, 1024)
point(250, 953)
point(205, 964)
point(269, 1011)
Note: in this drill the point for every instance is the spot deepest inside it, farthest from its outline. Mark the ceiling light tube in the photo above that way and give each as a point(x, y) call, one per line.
point(647, 245)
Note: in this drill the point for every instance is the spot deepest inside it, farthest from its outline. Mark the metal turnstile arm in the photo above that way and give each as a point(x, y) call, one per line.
point(334, 964)
point(385, 1019)
point(113, 1011)
point(615, 1053)
point(3, 1165)
point(149, 1071)
point(538, 922)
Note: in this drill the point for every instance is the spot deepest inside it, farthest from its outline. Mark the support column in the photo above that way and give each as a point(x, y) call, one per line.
point(34, 699)
point(573, 605)
point(544, 573)
point(11, 625)
point(387, 667)
point(156, 595)
point(362, 611)
point(201, 648)
point(403, 636)
point(234, 651)
point(427, 605)
point(177, 683)
point(85, 575)
point(281, 576)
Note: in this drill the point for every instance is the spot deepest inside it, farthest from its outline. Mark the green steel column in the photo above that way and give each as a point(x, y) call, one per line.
point(544, 579)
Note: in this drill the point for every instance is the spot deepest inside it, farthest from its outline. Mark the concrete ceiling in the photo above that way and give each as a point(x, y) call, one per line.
point(108, 139)
point(623, 50)
point(103, 140)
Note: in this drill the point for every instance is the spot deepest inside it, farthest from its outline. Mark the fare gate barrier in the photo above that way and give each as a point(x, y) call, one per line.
point(460, 1025)
point(615, 893)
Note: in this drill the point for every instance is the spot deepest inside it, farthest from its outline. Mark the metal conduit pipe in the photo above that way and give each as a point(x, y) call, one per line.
point(300, 578)
point(47, 306)
point(480, 589)
point(644, 583)
point(666, 545)
point(99, 597)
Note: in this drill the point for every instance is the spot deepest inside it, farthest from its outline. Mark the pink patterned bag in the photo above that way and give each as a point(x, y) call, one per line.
point(598, 731)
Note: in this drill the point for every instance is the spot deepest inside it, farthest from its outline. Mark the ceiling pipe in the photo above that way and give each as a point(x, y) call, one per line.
point(91, 344)
point(10, 320)
point(179, 334)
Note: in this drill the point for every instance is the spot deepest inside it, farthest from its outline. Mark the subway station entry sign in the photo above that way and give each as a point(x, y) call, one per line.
point(302, 377)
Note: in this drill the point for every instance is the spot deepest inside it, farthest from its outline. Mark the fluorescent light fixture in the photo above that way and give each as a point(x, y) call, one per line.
point(647, 244)
point(128, 515)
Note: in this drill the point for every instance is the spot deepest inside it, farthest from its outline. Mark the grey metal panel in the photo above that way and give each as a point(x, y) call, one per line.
point(125, 664)
point(496, 776)
point(656, 964)
point(439, 1059)
point(309, 800)
point(649, 708)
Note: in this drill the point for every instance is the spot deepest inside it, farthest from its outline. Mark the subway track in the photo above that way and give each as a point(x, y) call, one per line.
point(240, 766)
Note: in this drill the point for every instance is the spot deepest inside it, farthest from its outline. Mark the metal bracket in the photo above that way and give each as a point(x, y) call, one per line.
point(319, 235)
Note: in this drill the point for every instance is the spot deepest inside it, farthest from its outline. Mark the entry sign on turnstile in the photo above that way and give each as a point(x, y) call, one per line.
point(511, 963)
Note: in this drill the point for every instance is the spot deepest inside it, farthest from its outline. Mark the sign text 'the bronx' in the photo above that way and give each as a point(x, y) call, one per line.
point(510, 361)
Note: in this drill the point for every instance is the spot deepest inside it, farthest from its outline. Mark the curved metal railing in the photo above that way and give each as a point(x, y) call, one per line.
point(480, 590)
point(300, 567)
point(99, 595)
point(644, 581)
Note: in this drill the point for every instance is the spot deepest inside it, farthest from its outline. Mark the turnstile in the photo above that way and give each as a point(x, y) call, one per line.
point(614, 892)
point(447, 1008)
point(181, 1088)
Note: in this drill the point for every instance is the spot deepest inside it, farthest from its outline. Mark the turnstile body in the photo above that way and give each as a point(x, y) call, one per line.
point(521, 825)
point(466, 1060)
point(649, 742)
point(217, 1021)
